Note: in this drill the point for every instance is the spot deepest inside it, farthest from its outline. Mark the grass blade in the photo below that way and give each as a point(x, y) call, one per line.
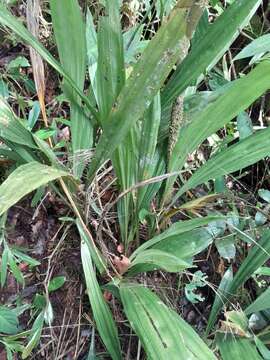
point(7, 19)
point(228, 160)
point(74, 63)
point(102, 314)
point(217, 39)
point(235, 98)
point(257, 256)
point(260, 304)
point(143, 84)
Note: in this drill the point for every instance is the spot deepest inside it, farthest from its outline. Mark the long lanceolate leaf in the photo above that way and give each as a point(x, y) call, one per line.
point(217, 39)
point(233, 348)
point(143, 84)
point(174, 231)
point(163, 333)
point(235, 157)
point(24, 180)
point(110, 79)
point(69, 30)
point(237, 97)
point(7, 19)
point(147, 147)
point(260, 304)
point(257, 256)
point(102, 314)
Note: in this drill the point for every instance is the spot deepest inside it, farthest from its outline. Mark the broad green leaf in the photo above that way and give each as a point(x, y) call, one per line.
point(226, 247)
point(56, 283)
point(217, 39)
point(12, 129)
point(188, 244)
point(235, 348)
point(74, 63)
point(147, 77)
point(24, 180)
point(228, 161)
point(230, 100)
point(258, 46)
point(164, 335)
point(175, 230)
point(158, 260)
point(9, 323)
point(260, 304)
point(102, 314)
point(257, 256)
point(7, 19)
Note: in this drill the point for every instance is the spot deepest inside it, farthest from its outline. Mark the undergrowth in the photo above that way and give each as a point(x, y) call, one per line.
point(134, 172)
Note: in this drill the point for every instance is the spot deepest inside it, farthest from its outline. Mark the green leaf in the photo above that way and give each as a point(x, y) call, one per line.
point(228, 161)
point(35, 335)
point(102, 314)
point(16, 272)
point(95, 254)
point(92, 50)
point(4, 92)
point(198, 280)
point(258, 46)
point(226, 103)
point(235, 348)
point(217, 39)
point(12, 129)
point(24, 180)
point(260, 304)
point(4, 264)
point(74, 63)
point(111, 67)
point(19, 62)
point(147, 77)
point(147, 147)
point(175, 230)
point(222, 294)
point(264, 194)
point(226, 247)
point(33, 115)
point(159, 260)
point(9, 323)
point(56, 283)
point(7, 19)
point(188, 244)
point(244, 125)
point(164, 335)
point(257, 256)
